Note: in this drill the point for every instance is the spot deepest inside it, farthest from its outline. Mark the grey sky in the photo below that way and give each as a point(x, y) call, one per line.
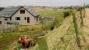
point(41, 2)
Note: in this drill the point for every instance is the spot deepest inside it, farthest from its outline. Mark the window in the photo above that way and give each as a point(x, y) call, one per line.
point(6, 19)
point(28, 19)
point(25, 18)
point(22, 11)
point(0, 22)
point(17, 18)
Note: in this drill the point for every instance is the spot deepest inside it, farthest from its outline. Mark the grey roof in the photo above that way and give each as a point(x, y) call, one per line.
point(8, 11)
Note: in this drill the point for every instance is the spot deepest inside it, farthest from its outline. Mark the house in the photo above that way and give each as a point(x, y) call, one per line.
point(19, 15)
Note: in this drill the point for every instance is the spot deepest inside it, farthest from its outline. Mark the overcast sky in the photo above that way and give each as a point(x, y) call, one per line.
point(6, 3)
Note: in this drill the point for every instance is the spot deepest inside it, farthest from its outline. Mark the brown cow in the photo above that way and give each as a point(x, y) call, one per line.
point(26, 42)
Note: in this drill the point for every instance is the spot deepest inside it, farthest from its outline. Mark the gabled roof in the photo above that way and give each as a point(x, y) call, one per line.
point(10, 11)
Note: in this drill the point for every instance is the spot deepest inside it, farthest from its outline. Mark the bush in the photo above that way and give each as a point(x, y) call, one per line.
point(66, 13)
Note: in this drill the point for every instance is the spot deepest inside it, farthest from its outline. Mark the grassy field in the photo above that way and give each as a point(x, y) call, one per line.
point(64, 37)
point(7, 38)
point(35, 31)
point(58, 14)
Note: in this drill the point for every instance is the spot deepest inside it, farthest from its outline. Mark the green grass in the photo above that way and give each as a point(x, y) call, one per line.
point(8, 38)
point(50, 13)
point(42, 44)
point(34, 31)
point(58, 14)
point(76, 30)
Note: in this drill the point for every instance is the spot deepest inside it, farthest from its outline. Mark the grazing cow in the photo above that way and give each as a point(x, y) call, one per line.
point(26, 42)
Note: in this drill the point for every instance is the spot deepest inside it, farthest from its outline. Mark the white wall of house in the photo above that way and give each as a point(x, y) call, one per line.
point(22, 20)
point(3, 23)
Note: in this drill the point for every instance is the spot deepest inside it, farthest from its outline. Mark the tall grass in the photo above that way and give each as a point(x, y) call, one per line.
point(81, 15)
point(76, 30)
point(42, 44)
point(7, 38)
point(82, 12)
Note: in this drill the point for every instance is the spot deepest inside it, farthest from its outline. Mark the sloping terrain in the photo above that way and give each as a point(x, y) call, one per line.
point(64, 38)
point(86, 27)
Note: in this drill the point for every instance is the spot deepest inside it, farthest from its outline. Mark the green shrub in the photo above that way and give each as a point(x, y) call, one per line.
point(66, 13)
point(58, 14)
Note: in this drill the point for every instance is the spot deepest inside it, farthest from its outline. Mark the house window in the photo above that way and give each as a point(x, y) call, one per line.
point(22, 11)
point(25, 18)
point(0, 22)
point(28, 19)
point(6, 19)
point(17, 18)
